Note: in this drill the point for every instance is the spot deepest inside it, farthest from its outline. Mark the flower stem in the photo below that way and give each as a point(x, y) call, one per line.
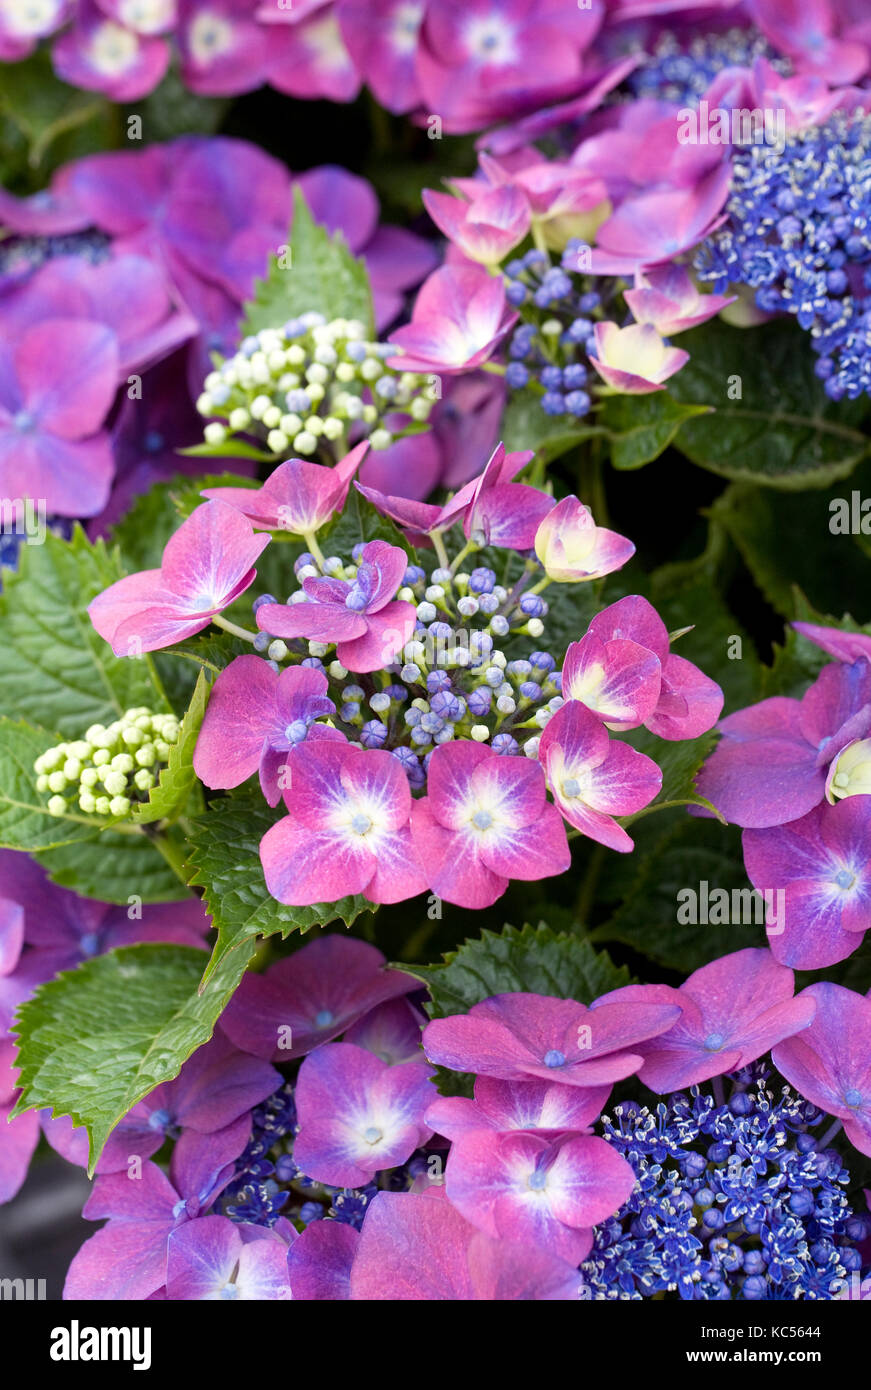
point(311, 541)
point(220, 621)
point(439, 547)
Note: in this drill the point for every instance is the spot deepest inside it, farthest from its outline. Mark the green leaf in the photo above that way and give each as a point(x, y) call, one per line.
point(169, 797)
point(173, 109)
point(526, 426)
point(187, 492)
point(323, 275)
point(686, 855)
point(114, 866)
point(42, 107)
point(784, 432)
point(24, 821)
point(225, 859)
point(532, 960)
point(785, 540)
point(357, 523)
point(147, 525)
point(94, 1041)
point(57, 671)
point(679, 762)
point(688, 594)
point(230, 449)
point(642, 427)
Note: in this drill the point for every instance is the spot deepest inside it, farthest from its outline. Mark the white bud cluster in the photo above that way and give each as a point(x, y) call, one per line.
point(300, 388)
point(111, 768)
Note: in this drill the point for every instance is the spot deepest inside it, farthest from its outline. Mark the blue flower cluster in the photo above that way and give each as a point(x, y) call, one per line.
point(681, 71)
point(268, 1183)
point(557, 329)
point(799, 233)
point(734, 1199)
point(453, 680)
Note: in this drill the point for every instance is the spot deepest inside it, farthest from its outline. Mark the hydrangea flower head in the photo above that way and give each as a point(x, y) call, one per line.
point(635, 360)
point(254, 717)
point(732, 1011)
point(820, 862)
point(320, 991)
point(735, 1199)
point(485, 819)
point(357, 1114)
point(206, 565)
point(519, 1036)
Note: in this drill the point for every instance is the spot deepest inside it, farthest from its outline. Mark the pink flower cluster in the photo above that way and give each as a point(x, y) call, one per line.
point(796, 774)
point(352, 824)
point(172, 238)
point(463, 60)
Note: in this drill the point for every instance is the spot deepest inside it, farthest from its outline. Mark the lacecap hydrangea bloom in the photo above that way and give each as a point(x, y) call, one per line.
point(402, 709)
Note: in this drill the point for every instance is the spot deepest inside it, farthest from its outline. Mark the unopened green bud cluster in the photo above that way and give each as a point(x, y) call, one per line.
point(111, 768)
point(301, 388)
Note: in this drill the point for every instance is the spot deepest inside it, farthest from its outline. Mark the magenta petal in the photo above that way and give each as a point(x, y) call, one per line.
point(210, 554)
point(314, 994)
point(828, 1063)
point(125, 1261)
point(240, 713)
point(704, 701)
point(68, 371)
point(19, 1140)
point(454, 867)
point(11, 934)
point(358, 1115)
point(619, 680)
point(313, 866)
point(319, 1261)
point(387, 632)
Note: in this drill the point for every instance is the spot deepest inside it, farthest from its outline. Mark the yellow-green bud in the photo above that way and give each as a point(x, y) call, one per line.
point(57, 782)
point(119, 805)
point(56, 806)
